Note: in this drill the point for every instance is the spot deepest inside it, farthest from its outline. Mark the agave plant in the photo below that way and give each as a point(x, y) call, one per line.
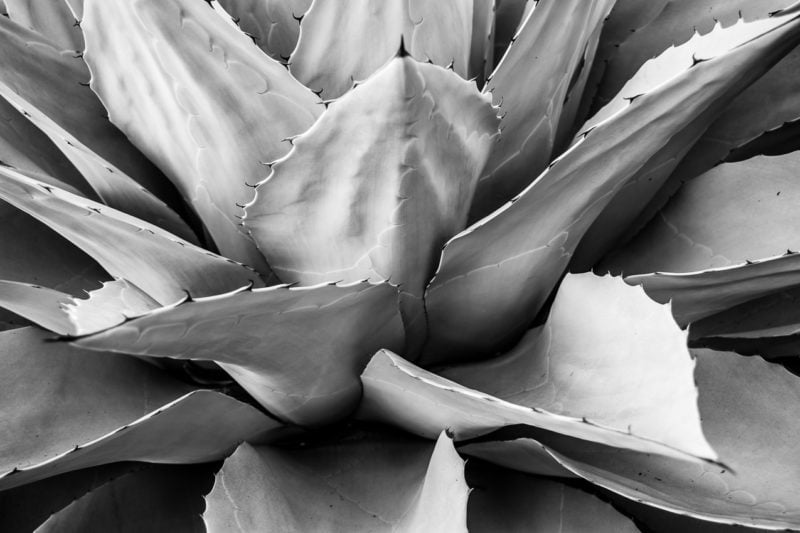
point(286, 265)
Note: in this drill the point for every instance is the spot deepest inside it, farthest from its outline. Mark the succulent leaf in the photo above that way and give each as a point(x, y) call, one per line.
point(273, 24)
point(161, 264)
point(496, 274)
point(95, 408)
point(330, 57)
point(481, 55)
point(607, 353)
point(159, 498)
point(504, 500)
point(637, 31)
point(759, 489)
point(299, 352)
point(372, 483)
point(40, 305)
point(398, 392)
point(52, 18)
point(392, 165)
point(202, 102)
point(38, 76)
point(530, 85)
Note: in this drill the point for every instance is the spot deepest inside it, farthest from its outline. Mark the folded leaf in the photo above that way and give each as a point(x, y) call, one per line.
point(496, 274)
point(159, 498)
point(199, 99)
point(364, 483)
point(299, 352)
point(503, 500)
point(607, 354)
point(65, 409)
point(733, 213)
point(748, 413)
point(695, 295)
point(273, 24)
point(397, 392)
point(530, 85)
point(379, 183)
point(159, 263)
point(52, 18)
point(345, 41)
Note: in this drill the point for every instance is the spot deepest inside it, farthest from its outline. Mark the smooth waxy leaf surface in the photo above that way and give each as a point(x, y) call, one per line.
point(607, 354)
point(733, 213)
point(25, 147)
point(297, 351)
point(51, 18)
point(631, 207)
point(199, 99)
point(530, 85)
point(158, 498)
point(39, 77)
point(33, 253)
point(495, 275)
point(397, 392)
point(696, 295)
point(40, 305)
point(65, 409)
point(503, 500)
point(637, 31)
point(379, 183)
point(362, 483)
point(273, 24)
point(481, 55)
point(345, 41)
point(747, 409)
point(161, 264)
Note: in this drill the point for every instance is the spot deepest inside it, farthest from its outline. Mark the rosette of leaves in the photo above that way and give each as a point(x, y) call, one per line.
point(285, 265)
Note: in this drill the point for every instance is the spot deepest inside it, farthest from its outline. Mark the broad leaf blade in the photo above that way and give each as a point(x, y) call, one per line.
point(211, 116)
point(297, 351)
point(364, 483)
point(607, 354)
point(158, 498)
point(494, 276)
point(530, 85)
point(52, 18)
point(273, 24)
point(397, 392)
point(159, 263)
point(345, 41)
point(503, 500)
point(40, 305)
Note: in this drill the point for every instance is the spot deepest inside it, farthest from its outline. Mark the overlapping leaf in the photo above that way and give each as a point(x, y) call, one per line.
point(747, 407)
point(607, 354)
point(345, 41)
point(51, 18)
point(273, 24)
point(494, 276)
point(397, 392)
point(297, 351)
point(199, 99)
point(64, 409)
point(481, 55)
point(161, 264)
point(364, 483)
point(379, 183)
point(35, 76)
point(636, 31)
point(530, 85)
point(159, 498)
point(509, 501)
